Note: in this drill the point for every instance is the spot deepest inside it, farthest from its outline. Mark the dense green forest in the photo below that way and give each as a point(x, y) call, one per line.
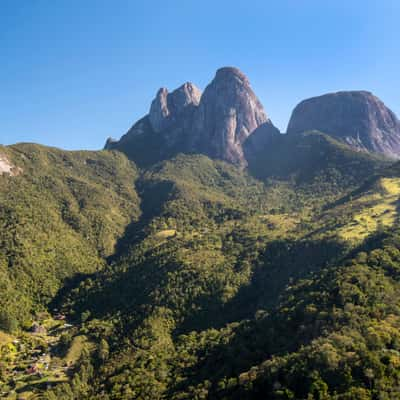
point(190, 278)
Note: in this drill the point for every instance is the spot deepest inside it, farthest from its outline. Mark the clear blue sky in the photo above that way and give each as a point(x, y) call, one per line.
point(73, 72)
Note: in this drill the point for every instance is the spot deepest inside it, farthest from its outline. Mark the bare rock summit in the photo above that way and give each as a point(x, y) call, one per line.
point(216, 123)
point(357, 118)
point(167, 108)
point(228, 113)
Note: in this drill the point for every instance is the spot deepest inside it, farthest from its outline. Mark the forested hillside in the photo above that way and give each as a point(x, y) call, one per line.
point(61, 215)
point(193, 279)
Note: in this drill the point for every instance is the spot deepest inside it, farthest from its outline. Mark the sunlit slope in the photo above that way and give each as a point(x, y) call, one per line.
point(61, 213)
point(184, 278)
point(378, 209)
point(364, 212)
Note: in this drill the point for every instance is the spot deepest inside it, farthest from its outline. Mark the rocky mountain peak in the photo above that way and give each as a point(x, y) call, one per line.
point(357, 118)
point(226, 73)
point(215, 123)
point(229, 112)
point(167, 107)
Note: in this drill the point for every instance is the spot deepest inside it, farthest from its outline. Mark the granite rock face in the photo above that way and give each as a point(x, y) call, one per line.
point(229, 112)
point(167, 108)
point(215, 123)
point(261, 138)
point(357, 118)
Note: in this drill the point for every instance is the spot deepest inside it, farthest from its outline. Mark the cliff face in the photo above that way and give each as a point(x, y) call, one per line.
point(167, 108)
point(229, 112)
point(357, 118)
point(215, 123)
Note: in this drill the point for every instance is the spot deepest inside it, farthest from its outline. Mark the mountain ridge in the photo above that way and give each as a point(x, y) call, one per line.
point(228, 122)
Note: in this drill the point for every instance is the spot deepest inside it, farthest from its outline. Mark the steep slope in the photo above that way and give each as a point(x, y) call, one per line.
point(220, 283)
point(333, 336)
point(167, 108)
point(357, 118)
point(370, 209)
point(312, 162)
point(215, 123)
point(229, 112)
point(163, 132)
point(61, 214)
point(206, 286)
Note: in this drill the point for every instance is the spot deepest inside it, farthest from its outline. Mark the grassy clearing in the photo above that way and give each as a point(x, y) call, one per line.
point(167, 233)
point(75, 350)
point(5, 338)
point(377, 209)
point(280, 223)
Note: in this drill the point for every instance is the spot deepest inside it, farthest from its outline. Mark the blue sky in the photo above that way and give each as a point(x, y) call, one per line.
point(74, 72)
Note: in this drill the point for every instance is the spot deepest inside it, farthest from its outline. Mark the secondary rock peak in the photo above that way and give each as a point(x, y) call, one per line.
point(166, 107)
point(357, 118)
